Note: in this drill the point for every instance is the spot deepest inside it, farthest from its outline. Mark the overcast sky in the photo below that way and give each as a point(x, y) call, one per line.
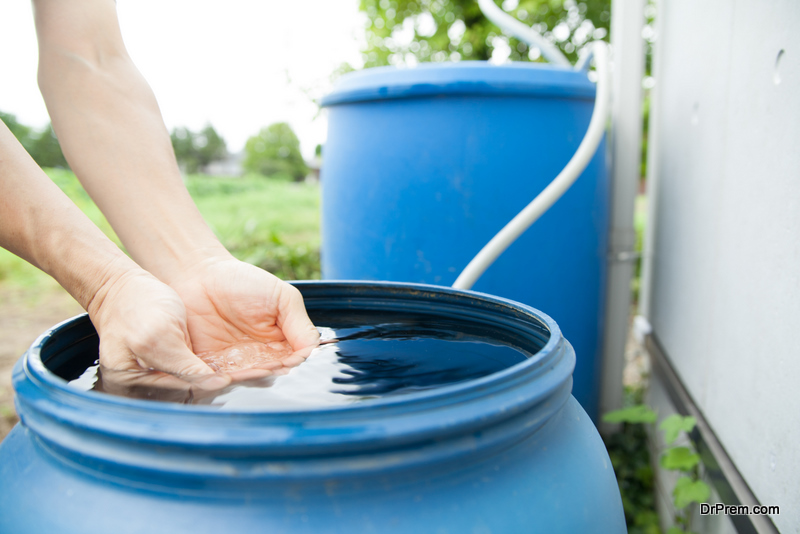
point(238, 64)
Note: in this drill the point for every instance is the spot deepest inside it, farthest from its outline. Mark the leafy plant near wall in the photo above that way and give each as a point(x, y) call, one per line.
point(685, 460)
point(630, 457)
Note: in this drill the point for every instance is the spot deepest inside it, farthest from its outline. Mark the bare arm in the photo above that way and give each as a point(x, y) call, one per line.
point(111, 131)
point(113, 136)
point(141, 321)
point(40, 224)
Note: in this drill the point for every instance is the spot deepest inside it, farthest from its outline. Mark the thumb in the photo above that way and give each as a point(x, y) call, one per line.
point(293, 319)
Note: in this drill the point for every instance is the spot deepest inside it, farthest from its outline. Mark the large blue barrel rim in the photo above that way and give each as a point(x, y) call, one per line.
point(509, 452)
point(423, 166)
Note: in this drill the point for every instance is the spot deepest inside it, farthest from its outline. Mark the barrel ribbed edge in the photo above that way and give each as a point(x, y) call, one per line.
point(148, 440)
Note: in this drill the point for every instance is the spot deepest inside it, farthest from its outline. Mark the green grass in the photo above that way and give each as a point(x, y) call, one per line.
point(269, 223)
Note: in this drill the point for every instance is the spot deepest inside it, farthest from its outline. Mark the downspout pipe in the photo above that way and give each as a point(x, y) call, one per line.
point(627, 20)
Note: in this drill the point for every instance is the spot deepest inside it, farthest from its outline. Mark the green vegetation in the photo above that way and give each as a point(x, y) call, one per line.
point(42, 145)
point(269, 223)
point(195, 150)
point(639, 223)
point(631, 460)
point(442, 30)
point(275, 152)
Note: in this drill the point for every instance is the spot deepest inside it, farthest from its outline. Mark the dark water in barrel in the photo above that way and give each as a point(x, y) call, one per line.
point(366, 356)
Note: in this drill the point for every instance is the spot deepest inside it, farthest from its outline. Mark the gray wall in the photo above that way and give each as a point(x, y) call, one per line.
point(665, 481)
point(722, 273)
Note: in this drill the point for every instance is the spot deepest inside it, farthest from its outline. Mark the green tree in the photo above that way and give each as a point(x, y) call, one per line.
point(406, 31)
point(275, 152)
point(183, 145)
point(46, 150)
point(210, 146)
point(43, 146)
point(24, 134)
point(196, 150)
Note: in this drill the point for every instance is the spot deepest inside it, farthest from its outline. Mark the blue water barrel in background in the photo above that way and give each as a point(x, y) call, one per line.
point(423, 166)
point(509, 452)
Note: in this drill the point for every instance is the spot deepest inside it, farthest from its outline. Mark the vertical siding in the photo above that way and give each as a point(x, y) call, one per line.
point(725, 286)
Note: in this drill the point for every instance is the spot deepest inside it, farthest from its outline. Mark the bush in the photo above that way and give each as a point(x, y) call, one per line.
point(43, 146)
point(269, 223)
point(196, 150)
point(275, 152)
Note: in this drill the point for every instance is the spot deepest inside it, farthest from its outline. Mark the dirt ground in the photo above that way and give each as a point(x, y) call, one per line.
point(23, 317)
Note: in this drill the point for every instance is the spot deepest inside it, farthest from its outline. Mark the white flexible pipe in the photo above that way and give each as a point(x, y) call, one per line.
point(551, 193)
point(523, 32)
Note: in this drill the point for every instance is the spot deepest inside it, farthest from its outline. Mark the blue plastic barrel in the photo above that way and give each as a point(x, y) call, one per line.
point(511, 452)
point(422, 167)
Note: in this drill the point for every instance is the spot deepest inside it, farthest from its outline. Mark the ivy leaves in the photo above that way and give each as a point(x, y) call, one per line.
point(679, 459)
point(641, 413)
point(675, 424)
point(689, 488)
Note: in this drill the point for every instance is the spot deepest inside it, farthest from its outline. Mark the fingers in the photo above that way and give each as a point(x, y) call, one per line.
point(159, 342)
point(293, 319)
point(164, 346)
point(181, 362)
point(142, 384)
point(298, 357)
point(133, 364)
point(178, 360)
point(254, 373)
point(153, 385)
point(268, 365)
point(142, 325)
point(241, 317)
point(248, 359)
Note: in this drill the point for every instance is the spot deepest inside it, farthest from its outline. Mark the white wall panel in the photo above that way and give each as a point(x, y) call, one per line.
point(725, 293)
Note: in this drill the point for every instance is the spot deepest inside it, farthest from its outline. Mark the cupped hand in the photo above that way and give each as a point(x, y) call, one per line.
point(142, 326)
point(242, 320)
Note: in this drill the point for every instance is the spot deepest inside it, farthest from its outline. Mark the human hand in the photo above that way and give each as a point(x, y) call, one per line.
point(142, 326)
point(242, 320)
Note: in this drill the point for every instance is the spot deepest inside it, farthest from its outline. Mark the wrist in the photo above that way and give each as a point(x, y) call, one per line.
point(190, 261)
point(78, 255)
point(169, 236)
point(115, 275)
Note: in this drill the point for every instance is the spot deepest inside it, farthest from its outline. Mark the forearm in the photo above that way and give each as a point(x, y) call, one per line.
point(40, 224)
point(112, 134)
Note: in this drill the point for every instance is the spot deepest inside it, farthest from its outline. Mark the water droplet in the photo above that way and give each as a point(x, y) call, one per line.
point(776, 77)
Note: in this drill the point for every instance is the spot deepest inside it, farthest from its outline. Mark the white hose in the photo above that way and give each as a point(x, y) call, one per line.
point(523, 32)
point(551, 193)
